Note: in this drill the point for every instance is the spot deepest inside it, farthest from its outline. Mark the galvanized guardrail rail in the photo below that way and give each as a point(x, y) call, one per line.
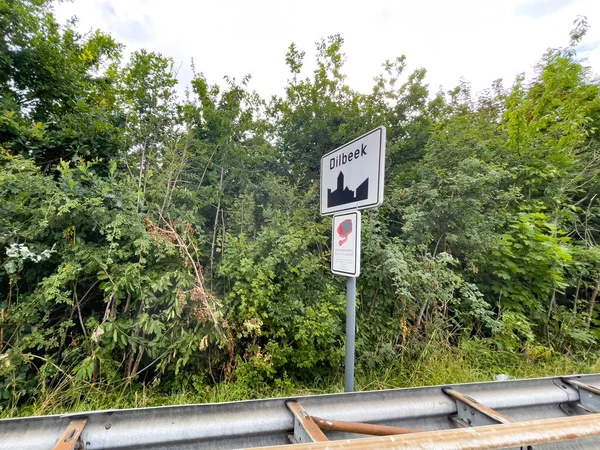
point(543, 413)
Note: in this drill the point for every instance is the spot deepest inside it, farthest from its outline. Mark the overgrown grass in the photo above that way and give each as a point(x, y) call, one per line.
point(470, 361)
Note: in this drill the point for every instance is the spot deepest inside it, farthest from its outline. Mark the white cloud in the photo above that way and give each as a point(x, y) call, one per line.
point(478, 40)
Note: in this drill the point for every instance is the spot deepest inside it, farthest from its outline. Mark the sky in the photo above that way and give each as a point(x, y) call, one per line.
point(477, 41)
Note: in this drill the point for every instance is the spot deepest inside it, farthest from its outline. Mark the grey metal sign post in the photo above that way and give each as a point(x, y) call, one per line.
point(352, 178)
point(350, 334)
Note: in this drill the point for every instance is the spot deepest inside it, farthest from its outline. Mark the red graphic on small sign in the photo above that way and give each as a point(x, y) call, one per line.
point(344, 229)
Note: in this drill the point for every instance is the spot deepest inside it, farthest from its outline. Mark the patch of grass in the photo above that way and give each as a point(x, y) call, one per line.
point(437, 364)
point(472, 361)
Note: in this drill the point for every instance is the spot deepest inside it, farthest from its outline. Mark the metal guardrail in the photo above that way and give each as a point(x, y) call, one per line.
point(269, 422)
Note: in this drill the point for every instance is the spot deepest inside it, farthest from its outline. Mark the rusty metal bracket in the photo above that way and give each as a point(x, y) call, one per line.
point(305, 429)
point(361, 428)
point(589, 396)
point(472, 413)
point(70, 438)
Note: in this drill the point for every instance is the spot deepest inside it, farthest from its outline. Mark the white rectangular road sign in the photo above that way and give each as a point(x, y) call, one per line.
point(352, 176)
point(345, 244)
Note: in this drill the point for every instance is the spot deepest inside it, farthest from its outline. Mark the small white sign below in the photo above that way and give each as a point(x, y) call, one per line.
point(352, 176)
point(345, 253)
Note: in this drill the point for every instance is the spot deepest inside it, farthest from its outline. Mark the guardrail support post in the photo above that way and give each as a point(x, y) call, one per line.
point(70, 438)
point(305, 429)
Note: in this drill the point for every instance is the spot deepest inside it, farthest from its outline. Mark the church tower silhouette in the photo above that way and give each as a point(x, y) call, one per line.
point(342, 195)
point(340, 182)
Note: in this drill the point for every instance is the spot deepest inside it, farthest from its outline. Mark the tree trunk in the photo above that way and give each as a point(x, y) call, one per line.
point(592, 301)
point(141, 174)
point(421, 313)
point(576, 296)
point(214, 240)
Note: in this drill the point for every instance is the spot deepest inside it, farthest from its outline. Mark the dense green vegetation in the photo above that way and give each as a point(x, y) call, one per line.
point(171, 249)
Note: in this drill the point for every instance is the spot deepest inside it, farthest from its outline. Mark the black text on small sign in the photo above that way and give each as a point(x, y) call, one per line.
point(345, 240)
